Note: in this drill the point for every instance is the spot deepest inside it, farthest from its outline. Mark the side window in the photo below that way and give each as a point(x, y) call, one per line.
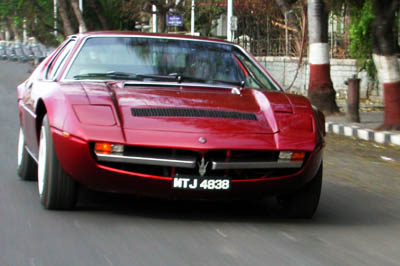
point(55, 66)
point(257, 78)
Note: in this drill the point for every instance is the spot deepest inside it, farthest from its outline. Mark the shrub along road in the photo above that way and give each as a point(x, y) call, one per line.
point(357, 223)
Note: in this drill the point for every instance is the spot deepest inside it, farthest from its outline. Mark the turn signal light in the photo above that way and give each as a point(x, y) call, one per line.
point(105, 147)
point(298, 156)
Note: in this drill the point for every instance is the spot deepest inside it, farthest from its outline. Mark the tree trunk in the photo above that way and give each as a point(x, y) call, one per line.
point(11, 26)
point(78, 15)
point(384, 47)
point(161, 19)
point(7, 24)
point(163, 8)
point(63, 9)
point(99, 13)
point(320, 89)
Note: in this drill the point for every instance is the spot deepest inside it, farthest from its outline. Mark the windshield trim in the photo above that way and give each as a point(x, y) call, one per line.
point(127, 36)
point(156, 83)
point(179, 84)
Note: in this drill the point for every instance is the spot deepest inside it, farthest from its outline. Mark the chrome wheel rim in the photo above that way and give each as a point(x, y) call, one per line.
point(21, 144)
point(42, 161)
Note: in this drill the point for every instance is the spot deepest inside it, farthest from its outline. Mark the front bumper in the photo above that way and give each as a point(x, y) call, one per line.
point(79, 162)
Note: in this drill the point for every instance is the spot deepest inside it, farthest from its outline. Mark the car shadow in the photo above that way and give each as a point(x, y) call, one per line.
point(339, 205)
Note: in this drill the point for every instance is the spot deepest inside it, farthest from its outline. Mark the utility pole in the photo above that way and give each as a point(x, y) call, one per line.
point(25, 35)
point(55, 18)
point(81, 9)
point(192, 19)
point(286, 34)
point(154, 10)
point(229, 21)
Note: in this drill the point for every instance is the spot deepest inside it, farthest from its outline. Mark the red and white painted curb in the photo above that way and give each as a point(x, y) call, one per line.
point(382, 137)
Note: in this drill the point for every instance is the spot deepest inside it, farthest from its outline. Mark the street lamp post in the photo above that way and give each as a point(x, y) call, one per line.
point(229, 20)
point(192, 19)
point(287, 33)
point(81, 9)
point(154, 10)
point(55, 18)
point(25, 34)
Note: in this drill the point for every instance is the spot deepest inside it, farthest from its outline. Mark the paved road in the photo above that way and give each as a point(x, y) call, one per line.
point(358, 221)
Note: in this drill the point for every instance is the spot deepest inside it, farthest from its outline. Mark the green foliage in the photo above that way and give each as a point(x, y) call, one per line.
point(205, 14)
point(360, 36)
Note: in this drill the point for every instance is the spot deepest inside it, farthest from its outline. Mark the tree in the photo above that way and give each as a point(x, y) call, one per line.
point(384, 48)
point(78, 14)
point(63, 9)
point(206, 13)
point(163, 8)
point(320, 89)
point(286, 8)
point(99, 11)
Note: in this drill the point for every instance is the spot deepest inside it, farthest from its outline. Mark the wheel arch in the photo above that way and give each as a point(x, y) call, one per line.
point(41, 111)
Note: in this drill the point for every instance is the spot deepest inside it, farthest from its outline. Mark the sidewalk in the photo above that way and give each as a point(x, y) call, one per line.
point(363, 130)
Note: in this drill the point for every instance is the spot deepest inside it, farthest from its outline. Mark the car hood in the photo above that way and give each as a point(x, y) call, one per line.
point(192, 109)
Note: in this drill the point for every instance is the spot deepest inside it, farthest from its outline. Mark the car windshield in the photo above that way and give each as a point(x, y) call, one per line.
point(167, 60)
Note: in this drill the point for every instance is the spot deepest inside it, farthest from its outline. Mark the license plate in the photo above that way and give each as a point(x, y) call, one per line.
point(200, 183)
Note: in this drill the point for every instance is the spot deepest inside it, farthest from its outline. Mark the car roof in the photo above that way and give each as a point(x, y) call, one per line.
point(138, 34)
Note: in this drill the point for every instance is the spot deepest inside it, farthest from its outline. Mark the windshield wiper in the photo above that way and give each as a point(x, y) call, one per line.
point(171, 77)
point(229, 82)
point(110, 74)
point(157, 77)
point(181, 78)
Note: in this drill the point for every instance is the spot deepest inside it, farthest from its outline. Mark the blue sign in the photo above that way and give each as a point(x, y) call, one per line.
point(174, 20)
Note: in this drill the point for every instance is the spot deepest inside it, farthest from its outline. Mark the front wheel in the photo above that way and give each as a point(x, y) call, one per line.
point(304, 202)
point(56, 189)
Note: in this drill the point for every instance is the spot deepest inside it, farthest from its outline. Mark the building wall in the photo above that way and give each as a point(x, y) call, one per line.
point(283, 69)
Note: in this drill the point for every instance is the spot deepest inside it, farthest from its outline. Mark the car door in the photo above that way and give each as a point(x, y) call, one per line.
point(38, 86)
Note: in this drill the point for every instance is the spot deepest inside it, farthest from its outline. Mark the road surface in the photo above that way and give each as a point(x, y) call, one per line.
point(357, 223)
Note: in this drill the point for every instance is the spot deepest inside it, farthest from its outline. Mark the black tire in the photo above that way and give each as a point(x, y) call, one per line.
point(57, 190)
point(26, 165)
point(303, 203)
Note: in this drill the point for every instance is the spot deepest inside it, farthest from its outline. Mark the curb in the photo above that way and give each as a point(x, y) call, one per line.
point(382, 137)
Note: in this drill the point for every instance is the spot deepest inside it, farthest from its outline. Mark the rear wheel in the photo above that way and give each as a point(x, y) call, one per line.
point(302, 203)
point(26, 166)
point(56, 189)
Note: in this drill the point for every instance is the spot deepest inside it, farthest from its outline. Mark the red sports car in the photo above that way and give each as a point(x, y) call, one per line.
point(166, 116)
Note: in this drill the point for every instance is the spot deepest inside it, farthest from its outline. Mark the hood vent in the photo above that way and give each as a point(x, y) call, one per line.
point(182, 112)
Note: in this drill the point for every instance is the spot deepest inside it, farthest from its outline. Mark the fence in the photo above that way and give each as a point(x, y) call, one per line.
point(284, 69)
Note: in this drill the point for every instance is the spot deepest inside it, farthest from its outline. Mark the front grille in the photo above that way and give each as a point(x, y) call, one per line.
point(242, 155)
point(184, 112)
point(216, 155)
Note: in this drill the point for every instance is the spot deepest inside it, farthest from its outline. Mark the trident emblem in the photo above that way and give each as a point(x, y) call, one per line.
point(202, 167)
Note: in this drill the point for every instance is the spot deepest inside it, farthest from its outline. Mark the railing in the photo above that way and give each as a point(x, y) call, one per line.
point(277, 46)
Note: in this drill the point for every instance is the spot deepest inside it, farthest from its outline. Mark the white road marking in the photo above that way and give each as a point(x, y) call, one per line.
point(221, 233)
point(288, 236)
point(108, 260)
point(32, 261)
point(29, 225)
point(77, 225)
